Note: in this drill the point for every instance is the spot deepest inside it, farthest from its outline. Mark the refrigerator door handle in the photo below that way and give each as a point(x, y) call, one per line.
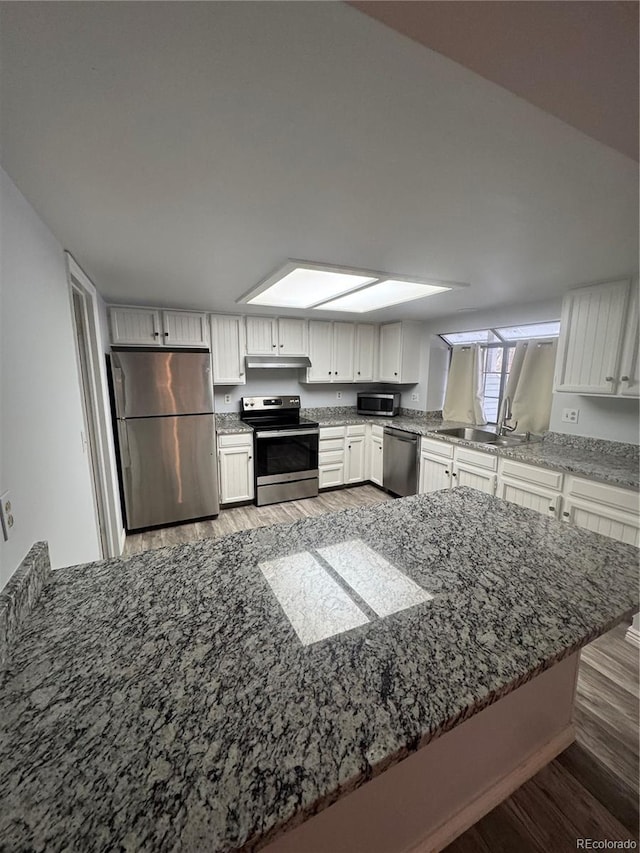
point(118, 387)
point(125, 456)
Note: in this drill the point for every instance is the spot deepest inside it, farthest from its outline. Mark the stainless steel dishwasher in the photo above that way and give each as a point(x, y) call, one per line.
point(400, 462)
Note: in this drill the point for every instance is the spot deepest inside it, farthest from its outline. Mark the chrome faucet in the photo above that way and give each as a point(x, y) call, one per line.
point(503, 429)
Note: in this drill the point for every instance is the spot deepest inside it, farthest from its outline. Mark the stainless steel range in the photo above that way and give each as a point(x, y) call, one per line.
point(285, 449)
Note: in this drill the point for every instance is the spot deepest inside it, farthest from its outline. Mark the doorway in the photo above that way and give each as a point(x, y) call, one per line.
point(97, 438)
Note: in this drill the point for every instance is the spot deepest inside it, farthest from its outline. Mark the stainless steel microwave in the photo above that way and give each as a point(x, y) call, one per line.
point(380, 404)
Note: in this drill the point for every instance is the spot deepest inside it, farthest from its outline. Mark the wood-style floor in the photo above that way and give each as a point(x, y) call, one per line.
point(247, 517)
point(589, 791)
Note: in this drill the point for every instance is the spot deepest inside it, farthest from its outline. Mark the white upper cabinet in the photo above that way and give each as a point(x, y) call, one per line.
point(271, 336)
point(228, 349)
point(331, 351)
point(399, 355)
point(320, 351)
point(262, 336)
point(185, 329)
point(343, 352)
point(365, 355)
point(629, 368)
point(592, 330)
point(292, 336)
point(135, 327)
point(149, 327)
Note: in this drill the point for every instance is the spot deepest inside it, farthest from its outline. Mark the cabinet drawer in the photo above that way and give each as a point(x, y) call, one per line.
point(331, 432)
point(331, 457)
point(357, 429)
point(238, 439)
point(437, 448)
point(330, 444)
point(532, 474)
point(377, 430)
point(625, 499)
point(476, 458)
point(330, 475)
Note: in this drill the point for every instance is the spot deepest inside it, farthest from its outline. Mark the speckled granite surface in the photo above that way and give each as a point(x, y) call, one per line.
point(228, 423)
point(21, 594)
point(165, 702)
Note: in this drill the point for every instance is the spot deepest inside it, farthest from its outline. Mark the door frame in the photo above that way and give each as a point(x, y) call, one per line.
point(106, 482)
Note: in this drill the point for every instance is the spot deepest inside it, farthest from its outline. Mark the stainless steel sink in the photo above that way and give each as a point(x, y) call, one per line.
point(470, 434)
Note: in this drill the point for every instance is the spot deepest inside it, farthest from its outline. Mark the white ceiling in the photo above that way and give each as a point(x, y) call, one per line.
point(182, 151)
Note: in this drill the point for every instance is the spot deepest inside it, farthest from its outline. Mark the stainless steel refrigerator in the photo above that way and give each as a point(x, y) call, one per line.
point(166, 433)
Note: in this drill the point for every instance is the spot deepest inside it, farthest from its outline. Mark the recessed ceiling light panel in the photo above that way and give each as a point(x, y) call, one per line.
point(382, 295)
point(302, 286)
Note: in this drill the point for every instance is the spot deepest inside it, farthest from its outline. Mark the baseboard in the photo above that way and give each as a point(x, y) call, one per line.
point(494, 795)
point(633, 636)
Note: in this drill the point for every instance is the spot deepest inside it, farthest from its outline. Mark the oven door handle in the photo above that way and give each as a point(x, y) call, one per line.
point(285, 433)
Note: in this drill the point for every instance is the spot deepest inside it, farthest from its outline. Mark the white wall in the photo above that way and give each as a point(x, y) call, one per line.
point(42, 461)
point(599, 417)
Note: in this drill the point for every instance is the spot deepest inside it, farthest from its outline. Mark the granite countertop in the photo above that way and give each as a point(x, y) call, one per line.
point(594, 459)
point(165, 702)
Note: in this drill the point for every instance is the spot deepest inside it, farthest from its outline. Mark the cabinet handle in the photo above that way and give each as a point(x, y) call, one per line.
point(281, 345)
point(242, 373)
point(273, 345)
point(358, 373)
point(566, 514)
point(446, 472)
point(608, 378)
point(156, 334)
point(166, 334)
point(624, 378)
point(250, 458)
point(395, 374)
point(329, 373)
point(454, 474)
point(552, 509)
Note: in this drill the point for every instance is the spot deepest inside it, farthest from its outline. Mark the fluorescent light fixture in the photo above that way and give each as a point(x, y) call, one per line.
point(381, 295)
point(306, 284)
point(302, 285)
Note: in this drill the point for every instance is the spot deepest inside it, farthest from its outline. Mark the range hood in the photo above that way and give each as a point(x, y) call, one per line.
point(271, 361)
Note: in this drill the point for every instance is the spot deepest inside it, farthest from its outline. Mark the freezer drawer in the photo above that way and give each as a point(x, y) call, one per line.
point(168, 469)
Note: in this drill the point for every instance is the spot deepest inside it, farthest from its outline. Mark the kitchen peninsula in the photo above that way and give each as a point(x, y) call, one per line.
point(166, 702)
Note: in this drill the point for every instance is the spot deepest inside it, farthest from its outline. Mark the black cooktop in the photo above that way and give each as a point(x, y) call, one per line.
point(282, 420)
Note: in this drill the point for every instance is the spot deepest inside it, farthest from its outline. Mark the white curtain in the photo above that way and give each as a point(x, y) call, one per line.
point(463, 398)
point(530, 385)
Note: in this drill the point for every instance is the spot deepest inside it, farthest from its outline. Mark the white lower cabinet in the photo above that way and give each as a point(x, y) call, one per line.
point(602, 508)
point(531, 487)
point(331, 459)
point(474, 469)
point(235, 467)
point(436, 462)
point(376, 450)
point(355, 455)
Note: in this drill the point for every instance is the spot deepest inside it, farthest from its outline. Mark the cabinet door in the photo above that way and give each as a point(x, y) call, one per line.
point(320, 343)
point(182, 328)
point(365, 353)
point(629, 378)
point(591, 338)
point(531, 497)
point(330, 475)
point(475, 478)
point(261, 336)
point(354, 456)
point(236, 473)
point(292, 337)
point(435, 473)
point(624, 527)
point(343, 351)
point(135, 326)
point(376, 460)
point(227, 349)
point(390, 352)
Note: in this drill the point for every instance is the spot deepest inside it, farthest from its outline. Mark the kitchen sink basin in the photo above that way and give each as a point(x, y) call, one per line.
point(470, 434)
point(485, 436)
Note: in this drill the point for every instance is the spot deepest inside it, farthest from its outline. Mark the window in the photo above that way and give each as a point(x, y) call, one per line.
point(498, 346)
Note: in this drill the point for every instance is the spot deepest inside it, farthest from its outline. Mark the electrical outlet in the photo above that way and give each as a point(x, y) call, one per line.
point(338, 395)
point(6, 515)
point(570, 416)
point(227, 398)
point(414, 398)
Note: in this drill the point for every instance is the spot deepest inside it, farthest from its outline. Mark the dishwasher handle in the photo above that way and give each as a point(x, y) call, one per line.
point(400, 435)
